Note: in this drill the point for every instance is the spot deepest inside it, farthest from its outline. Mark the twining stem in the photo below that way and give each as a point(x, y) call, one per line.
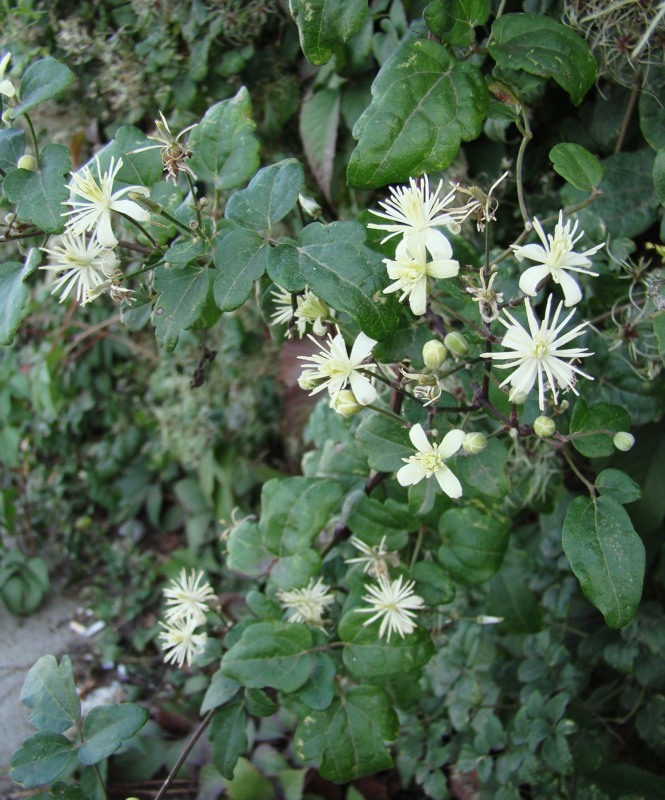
point(197, 208)
point(33, 136)
point(526, 138)
point(632, 100)
point(142, 229)
point(183, 756)
point(590, 487)
point(390, 415)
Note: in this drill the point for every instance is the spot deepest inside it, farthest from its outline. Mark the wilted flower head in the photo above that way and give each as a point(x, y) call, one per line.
point(375, 558)
point(181, 639)
point(394, 604)
point(557, 258)
point(539, 353)
point(93, 212)
point(430, 460)
point(307, 605)
point(173, 151)
point(488, 300)
point(188, 598)
point(86, 266)
point(334, 367)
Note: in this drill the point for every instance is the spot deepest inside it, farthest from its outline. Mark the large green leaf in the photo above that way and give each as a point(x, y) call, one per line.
point(182, 297)
point(454, 20)
point(337, 266)
point(600, 416)
point(276, 654)
point(39, 196)
point(385, 442)
point(606, 555)
point(474, 543)
point(324, 25)
point(226, 151)
point(423, 105)
point(43, 80)
point(659, 176)
point(485, 473)
point(14, 294)
point(577, 165)
point(142, 169)
point(271, 194)
point(368, 656)
point(373, 520)
point(349, 737)
point(319, 120)
point(50, 692)
point(615, 483)
point(12, 147)
point(241, 258)
point(246, 551)
point(42, 758)
point(220, 690)
point(545, 47)
point(105, 728)
point(651, 107)
point(228, 737)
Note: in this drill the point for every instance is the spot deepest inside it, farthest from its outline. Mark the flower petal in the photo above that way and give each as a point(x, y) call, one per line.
point(448, 482)
point(531, 277)
point(419, 439)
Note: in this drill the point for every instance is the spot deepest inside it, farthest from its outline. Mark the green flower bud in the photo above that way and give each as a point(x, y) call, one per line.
point(624, 441)
point(474, 443)
point(27, 162)
point(309, 379)
point(456, 343)
point(434, 354)
point(345, 403)
point(519, 398)
point(544, 427)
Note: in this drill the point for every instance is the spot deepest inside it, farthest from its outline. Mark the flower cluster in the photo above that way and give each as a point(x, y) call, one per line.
point(302, 310)
point(187, 600)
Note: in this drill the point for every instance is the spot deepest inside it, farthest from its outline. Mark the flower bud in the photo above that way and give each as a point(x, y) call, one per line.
point(345, 403)
point(456, 343)
point(309, 379)
point(8, 116)
point(519, 398)
point(544, 427)
point(27, 162)
point(309, 206)
point(624, 441)
point(474, 443)
point(434, 354)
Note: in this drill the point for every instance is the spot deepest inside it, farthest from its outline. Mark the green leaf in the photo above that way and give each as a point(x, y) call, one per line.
point(39, 196)
point(423, 105)
point(545, 47)
point(293, 572)
point(226, 151)
point(228, 737)
point(319, 690)
point(349, 736)
point(12, 147)
point(241, 257)
point(14, 294)
point(182, 296)
point(651, 108)
point(368, 656)
point(319, 121)
point(510, 597)
point(42, 758)
point(142, 169)
point(474, 543)
point(385, 442)
point(105, 728)
point(589, 418)
point(273, 654)
point(606, 555)
point(50, 692)
point(454, 20)
point(259, 704)
point(246, 551)
point(43, 80)
point(659, 176)
point(23, 582)
point(219, 692)
point(485, 473)
point(616, 484)
point(577, 165)
point(324, 25)
point(333, 261)
point(271, 194)
point(372, 520)
point(433, 583)
point(659, 330)
point(67, 791)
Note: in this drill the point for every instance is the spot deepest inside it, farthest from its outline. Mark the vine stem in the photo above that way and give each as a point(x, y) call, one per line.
point(33, 136)
point(183, 756)
point(590, 487)
point(632, 100)
point(526, 138)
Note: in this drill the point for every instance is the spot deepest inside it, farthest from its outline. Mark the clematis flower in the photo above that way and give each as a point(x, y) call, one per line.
point(182, 641)
point(557, 258)
point(187, 598)
point(415, 212)
point(411, 269)
point(86, 266)
point(99, 200)
point(307, 605)
point(394, 604)
point(334, 367)
point(375, 558)
point(540, 353)
point(430, 460)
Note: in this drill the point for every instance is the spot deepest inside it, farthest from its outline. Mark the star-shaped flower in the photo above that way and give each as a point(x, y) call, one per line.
point(394, 604)
point(539, 353)
point(557, 258)
point(411, 269)
point(93, 212)
point(182, 641)
point(430, 460)
point(334, 367)
point(86, 266)
point(187, 598)
point(307, 605)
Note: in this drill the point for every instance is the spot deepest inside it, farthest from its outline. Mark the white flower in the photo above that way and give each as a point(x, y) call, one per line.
point(539, 353)
point(309, 309)
point(393, 604)
point(557, 258)
point(411, 270)
point(94, 211)
point(415, 212)
point(375, 557)
point(6, 86)
point(187, 598)
point(430, 460)
point(334, 367)
point(307, 605)
point(182, 640)
point(85, 263)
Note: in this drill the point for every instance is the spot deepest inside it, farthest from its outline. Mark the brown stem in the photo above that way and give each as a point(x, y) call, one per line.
point(183, 756)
